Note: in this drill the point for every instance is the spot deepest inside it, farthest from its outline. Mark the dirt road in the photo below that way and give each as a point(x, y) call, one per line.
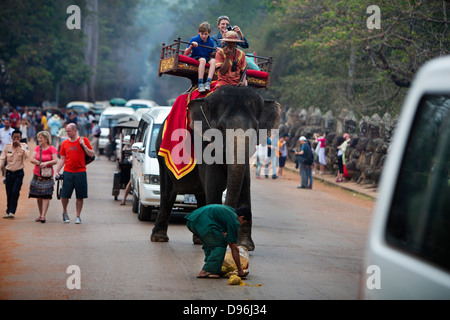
point(309, 245)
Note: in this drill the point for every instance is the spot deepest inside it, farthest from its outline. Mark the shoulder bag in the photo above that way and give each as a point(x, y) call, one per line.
point(86, 157)
point(46, 172)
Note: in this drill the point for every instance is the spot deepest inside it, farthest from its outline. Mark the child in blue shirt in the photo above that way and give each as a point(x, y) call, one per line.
point(203, 55)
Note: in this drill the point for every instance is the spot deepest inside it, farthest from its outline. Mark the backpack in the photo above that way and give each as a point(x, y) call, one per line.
point(308, 157)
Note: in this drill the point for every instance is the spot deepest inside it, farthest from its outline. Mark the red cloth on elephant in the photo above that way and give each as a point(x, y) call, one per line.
point(178, 151)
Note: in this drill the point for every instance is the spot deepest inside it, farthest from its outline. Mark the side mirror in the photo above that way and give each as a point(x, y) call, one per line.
point(138, 147)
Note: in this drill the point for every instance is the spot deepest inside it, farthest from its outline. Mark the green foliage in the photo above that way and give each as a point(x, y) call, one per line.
point(324, 54)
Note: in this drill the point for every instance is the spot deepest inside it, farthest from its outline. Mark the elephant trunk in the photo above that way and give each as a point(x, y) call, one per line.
point(235, 179)
point(237, 158)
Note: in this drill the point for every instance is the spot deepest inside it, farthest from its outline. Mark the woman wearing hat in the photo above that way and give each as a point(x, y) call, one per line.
point(230, 62)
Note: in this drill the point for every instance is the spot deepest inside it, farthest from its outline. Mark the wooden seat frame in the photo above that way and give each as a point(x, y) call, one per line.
point(171, 64)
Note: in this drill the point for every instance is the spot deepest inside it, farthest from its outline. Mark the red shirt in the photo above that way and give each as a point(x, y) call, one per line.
point(75, 155)
point(14, 118)
point(231, 77)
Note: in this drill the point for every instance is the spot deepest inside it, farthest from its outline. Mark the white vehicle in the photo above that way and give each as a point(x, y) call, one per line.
point(145, 168)
point(108, 119)
point(140, 103)
point(408, 251)
point(80, 106)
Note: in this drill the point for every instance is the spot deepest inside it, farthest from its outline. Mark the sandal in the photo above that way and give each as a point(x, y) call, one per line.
point(122, 203)
point(209, 275)
point(38, 219)
point(43, 220)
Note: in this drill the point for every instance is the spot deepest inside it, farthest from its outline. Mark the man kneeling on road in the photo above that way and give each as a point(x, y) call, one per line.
point(217, 226)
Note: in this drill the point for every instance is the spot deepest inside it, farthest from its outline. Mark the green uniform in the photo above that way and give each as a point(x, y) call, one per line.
point(208, 223)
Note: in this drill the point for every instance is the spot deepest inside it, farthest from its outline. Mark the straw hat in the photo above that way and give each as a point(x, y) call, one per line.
point(231, 36)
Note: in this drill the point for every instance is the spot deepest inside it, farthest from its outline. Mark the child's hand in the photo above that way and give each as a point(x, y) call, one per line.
point(195, 44)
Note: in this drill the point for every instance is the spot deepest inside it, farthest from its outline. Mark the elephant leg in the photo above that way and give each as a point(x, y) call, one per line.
point(245, 230)
point(201, 201)
point(168, 197)
point(245, 236)
point(215, 181)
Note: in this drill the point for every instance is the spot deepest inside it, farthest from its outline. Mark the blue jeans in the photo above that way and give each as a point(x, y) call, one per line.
point(306, 176)
point(13, 183)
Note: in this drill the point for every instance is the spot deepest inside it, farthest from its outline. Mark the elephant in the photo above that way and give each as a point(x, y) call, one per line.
point(228, 107)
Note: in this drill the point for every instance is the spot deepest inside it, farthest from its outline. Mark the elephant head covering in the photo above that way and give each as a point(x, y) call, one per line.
point(231, 36)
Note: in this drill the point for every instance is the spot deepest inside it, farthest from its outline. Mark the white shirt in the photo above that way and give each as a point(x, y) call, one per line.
point(5, 137)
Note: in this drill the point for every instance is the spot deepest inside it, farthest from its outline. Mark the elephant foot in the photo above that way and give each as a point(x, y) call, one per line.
point(159, 236)
point(196, 240)
point(248, 243)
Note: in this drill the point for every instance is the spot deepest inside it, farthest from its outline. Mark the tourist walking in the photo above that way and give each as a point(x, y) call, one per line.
point(14, 154)
point(44, 157)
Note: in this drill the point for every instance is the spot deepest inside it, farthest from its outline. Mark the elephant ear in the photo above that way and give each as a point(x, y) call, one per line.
point(197, 111)
point(270, 115)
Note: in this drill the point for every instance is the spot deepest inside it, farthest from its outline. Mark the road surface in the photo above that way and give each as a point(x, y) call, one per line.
point(309, 245)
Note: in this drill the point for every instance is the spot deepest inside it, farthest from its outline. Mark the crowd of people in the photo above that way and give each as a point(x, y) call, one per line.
point(273, 154)
point(61, 139)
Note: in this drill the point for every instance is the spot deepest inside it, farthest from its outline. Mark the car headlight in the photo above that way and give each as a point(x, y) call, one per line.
point(151, 179)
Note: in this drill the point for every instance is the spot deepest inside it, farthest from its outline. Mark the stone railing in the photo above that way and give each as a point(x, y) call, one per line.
point(370, 139)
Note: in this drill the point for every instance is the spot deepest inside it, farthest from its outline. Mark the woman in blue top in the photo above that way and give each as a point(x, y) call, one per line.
point(203, 55)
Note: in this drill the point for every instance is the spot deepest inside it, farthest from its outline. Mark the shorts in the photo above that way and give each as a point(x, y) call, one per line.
point(206, 58)
point(77, 181)
point(282, 162)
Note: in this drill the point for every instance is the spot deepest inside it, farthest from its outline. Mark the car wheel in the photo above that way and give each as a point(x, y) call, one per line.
point(144, 213)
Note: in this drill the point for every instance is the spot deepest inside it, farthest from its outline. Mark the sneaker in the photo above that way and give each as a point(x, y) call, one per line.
point(66, 217)
point(275, 176)
point(77, 220)
point(6, 216)
point(208, 86)
point(11, 215)
point(201, 88)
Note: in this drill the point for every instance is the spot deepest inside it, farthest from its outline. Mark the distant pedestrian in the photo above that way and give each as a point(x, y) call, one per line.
point(272, 158)
point(44, 157)
point(305, 169)
point(72, 156)
point(282, 153)
point(14, 154)
point(54, 124)
point(322, 161)
point(261, 156)
point(5, 134)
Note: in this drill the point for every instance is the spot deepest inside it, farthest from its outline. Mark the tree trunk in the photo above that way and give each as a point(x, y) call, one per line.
point(351, 71)
point(91, 47)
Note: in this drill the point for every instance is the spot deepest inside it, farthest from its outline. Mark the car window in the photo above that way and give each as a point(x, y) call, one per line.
point(152, 145)
point(141, 130)
point(419, 219)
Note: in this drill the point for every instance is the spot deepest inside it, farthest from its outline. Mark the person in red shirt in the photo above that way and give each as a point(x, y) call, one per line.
point(230, 62)
point(72, 155)
point(15, 118)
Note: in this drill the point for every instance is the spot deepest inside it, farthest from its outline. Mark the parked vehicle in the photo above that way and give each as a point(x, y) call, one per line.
point(80, 106)
point(145, 168)
point(408, 251)
point(108, 119)
point(140, 103)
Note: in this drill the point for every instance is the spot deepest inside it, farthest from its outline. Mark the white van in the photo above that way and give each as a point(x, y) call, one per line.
point(80, 106)
point(140, 103)
point(408, 251)
point(108, 119)
point(145, 168)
